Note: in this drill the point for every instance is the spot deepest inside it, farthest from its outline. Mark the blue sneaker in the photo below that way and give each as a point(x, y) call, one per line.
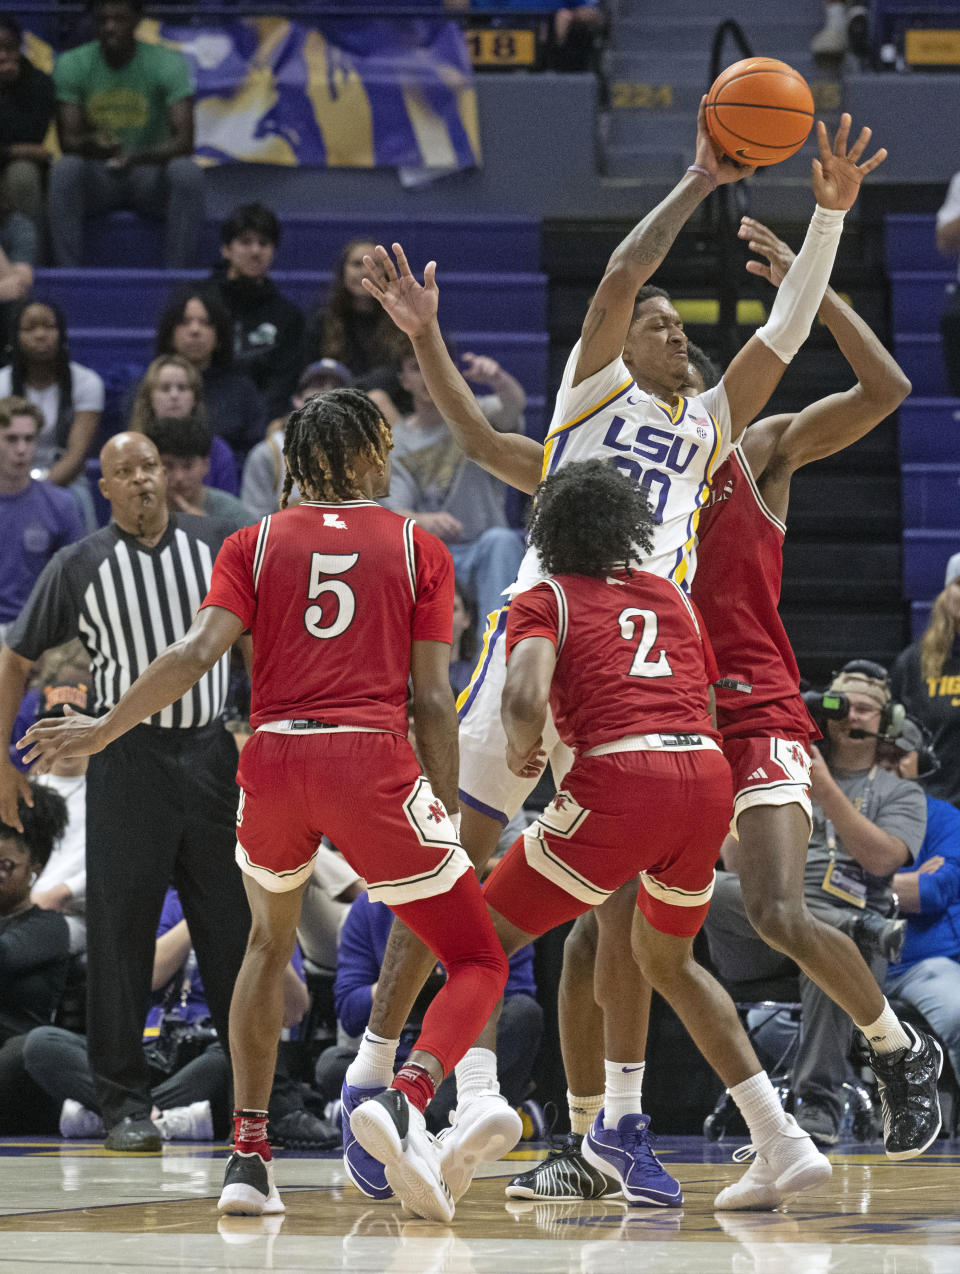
point(624, 1154)
point(366, 1173)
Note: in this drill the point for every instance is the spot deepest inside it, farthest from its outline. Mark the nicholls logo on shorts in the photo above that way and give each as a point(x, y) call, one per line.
point(436, 813)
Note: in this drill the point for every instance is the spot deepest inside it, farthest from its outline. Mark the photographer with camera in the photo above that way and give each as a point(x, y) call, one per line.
point(867, 824)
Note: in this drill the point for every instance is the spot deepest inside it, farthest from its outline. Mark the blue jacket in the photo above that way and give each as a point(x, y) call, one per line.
point(935, 931)
point(363, 940)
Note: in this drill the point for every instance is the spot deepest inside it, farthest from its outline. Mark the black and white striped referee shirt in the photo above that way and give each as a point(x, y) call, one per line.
point(127, 603)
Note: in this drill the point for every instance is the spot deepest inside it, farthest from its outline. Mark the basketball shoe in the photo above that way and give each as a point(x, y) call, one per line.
point(784, 1164)
point(366, 1173)
point(77, 1121)
point(248, 1187)
point(624, 1153)
point(563, 1175)
point(484, 1127)
point(908, 1095)
point(391, 1129)
point(186, 1123)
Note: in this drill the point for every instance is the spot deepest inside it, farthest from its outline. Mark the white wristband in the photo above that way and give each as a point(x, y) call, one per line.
point(801, 292)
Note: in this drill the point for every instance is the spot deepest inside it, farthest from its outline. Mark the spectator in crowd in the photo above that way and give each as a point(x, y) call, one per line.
point(268, 330)
point(435, 483)
point(363, 940)
point(69, 395)
point(868, 824)
point(196, 325)
point(34, 948)
point(263, 470)
point(67, 664)
point(127, 591)
point(184, 447)
point(352, 328)
point(62, 885)
point(463, 648)
point(36, 517)
point(573, 43)
point(927, 975)
point(26, 113)
point(125, 123)
point(948, 241)
point(926, 679)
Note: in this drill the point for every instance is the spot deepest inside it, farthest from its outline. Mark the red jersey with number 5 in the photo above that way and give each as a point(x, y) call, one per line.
point(737, 587)
point(334, 595)
point(632, 656)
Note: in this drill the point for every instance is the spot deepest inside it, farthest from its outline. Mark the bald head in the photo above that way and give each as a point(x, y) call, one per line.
point(135, 484)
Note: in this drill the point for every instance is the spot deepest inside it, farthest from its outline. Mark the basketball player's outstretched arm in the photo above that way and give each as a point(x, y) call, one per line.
point(780, 445)
point(634, 261)
point(167, 679)
point(756, 371)
point(513, 458)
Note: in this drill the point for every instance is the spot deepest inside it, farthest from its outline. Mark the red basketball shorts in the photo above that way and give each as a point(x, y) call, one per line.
point(769, 770)
point(362, 790)
point(660, 813)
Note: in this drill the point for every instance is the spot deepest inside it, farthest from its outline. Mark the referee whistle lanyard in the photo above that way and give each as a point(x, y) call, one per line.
point(847, 881)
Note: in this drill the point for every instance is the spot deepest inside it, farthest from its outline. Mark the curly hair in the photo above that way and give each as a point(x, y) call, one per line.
point(44, 822)
point(325, 436)
point(590, 519)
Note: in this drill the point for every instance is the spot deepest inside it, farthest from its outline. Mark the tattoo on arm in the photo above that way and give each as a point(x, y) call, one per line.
point(650, 241)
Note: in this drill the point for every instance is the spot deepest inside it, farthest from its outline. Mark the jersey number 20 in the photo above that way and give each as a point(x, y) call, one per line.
point(325, 564)
point(643, 665)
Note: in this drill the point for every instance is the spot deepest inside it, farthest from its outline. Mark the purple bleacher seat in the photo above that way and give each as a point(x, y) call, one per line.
point(930, 431)
point(918, 297)
point(931, 496)
point(910, 242)
point(920, 356)
point(925, 557)
point(223, 467)
point(919, 618)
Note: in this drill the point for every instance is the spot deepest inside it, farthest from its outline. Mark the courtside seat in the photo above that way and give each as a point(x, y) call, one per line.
point(921, 357)
point(930, 431)
point(910, 242)
point(917, 299)
point(471, 243)
point(925, 557)
point(89, 297)
point(931, 495)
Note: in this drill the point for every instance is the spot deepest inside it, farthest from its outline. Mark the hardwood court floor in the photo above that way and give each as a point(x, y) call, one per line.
point(70, 1207)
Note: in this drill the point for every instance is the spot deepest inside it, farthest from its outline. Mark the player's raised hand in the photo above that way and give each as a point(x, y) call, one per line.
point(720, 166)
point(837, 174)
point(411, 305)
point(761, 239)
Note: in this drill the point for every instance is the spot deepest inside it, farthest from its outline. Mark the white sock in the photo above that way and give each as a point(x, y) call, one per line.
point(373, 1065)
point(476, 1073)
point(760, 1107)
point(622, 1089)
point(886, 1035)
point(583, 1111)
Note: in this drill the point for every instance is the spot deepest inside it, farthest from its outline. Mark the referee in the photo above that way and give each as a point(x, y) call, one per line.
point(161, 801)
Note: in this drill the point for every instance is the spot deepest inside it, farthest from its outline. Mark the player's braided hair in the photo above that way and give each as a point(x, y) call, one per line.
point(589, 519)
point(325, 436)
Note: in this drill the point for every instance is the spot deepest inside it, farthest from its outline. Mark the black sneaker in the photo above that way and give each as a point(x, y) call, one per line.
point(908, 1095)
point(819, 1122)
point(564, 1174)
point(301, 1130)
point(248, 1188)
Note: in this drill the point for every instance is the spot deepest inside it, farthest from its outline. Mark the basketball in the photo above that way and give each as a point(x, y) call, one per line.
point(759, 111)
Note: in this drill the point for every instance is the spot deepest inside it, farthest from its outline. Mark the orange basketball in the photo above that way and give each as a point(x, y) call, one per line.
point(759, 111)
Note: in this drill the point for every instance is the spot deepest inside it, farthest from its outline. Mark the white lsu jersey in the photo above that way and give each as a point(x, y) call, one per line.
point(672, 453)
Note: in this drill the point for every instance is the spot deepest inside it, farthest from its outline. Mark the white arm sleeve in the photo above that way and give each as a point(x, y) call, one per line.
point(802, 289)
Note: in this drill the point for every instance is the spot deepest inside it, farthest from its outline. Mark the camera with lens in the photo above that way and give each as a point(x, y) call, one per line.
point(826, 705)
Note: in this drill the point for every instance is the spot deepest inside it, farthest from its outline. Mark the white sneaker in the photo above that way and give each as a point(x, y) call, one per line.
point(391, 1129)
point(786, 1163)
point(249, 1188)
point(78, 1121)
point(186, 1123)
point(485, 1127)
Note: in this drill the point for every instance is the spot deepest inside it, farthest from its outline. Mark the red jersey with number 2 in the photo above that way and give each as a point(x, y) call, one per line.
point(334, 595)
point(632, 656)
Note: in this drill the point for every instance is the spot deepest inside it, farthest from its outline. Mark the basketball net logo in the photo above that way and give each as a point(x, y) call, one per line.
point(334, 520)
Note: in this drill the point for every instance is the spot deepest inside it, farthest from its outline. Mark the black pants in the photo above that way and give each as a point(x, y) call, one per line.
point(161, 806)
point(24, 1107)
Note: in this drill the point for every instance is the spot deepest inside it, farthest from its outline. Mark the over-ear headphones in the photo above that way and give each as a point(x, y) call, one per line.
point(892, 714)
point(915, 737)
